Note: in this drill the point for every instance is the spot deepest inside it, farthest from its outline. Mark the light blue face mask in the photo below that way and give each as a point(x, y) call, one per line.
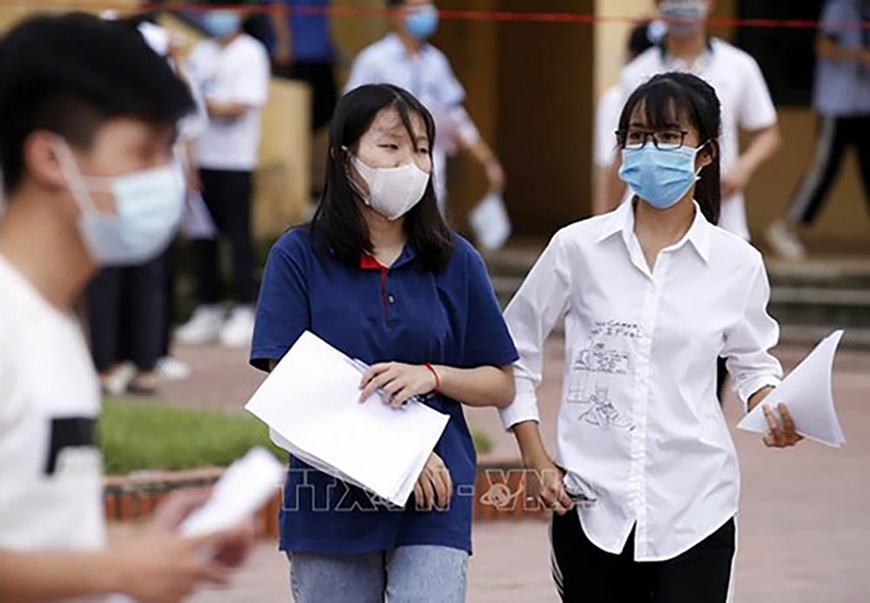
point(422, 22)
point(687, 15)
point(660, 177)
point(148, 209)
point(221, 24)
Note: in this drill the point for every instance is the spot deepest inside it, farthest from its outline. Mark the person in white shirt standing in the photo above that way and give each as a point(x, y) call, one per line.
point(645, 483)
point(740, 85)
point(87, 126)
point(231, 70)
point(406, 59)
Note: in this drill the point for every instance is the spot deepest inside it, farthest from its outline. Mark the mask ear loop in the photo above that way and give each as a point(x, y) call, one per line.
point(349, 165)
point(74, 179)
point(698, 152)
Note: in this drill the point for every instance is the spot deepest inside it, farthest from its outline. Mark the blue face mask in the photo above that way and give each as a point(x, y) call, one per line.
point(661, 177)
point(148, 209)
point(221, 24)
point(692, 11)
point(422, 22)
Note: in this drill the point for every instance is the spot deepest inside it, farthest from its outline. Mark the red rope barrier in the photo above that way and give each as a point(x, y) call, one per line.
point(453, 15)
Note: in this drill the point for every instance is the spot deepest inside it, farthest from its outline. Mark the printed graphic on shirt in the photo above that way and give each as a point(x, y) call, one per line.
point(76, 432)
point(605, 362)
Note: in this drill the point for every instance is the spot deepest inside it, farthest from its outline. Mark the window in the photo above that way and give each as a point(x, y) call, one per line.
point(786, 55)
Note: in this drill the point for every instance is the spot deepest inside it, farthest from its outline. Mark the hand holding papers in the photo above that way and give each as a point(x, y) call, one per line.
point(310, 403)
point(240, 492)
point(806, 391)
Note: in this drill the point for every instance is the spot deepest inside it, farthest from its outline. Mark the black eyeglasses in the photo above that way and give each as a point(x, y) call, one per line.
point(634, 138)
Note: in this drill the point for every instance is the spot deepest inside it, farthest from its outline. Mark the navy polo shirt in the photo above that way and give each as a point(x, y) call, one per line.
point(403, 314)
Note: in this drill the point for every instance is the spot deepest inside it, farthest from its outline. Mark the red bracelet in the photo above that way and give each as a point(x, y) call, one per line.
point(429, 366)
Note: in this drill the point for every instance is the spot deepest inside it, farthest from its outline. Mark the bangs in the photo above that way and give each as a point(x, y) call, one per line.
point(405, 108)
point(665, 105)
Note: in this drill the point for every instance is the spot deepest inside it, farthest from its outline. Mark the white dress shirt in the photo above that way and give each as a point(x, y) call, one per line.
point(640, 423)
point(744, 96)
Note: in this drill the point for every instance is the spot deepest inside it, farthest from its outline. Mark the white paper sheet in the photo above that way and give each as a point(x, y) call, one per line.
point(310, 403)
point(490, 222)
point(807, 393)
point(197, 223)
point(241, 491)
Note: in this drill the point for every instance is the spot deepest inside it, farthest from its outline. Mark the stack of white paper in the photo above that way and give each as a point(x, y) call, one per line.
point(310, 403)
point(807, 394)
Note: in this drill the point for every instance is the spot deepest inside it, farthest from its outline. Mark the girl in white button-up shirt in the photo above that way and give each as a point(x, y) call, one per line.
point(645, 483)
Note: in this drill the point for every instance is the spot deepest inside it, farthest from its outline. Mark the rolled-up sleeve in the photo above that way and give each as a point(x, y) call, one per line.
point(749, 341)
point(542, 300)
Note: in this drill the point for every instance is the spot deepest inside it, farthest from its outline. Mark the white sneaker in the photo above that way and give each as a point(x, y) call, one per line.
point(239, 328)
point(785, 242)
point(172, 369)
point(118, 380)
point(203, 327)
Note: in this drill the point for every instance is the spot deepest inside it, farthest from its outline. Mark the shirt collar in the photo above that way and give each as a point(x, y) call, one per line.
point(368, 262)
point(396, 46)
point(621, 221)
point(670, 61)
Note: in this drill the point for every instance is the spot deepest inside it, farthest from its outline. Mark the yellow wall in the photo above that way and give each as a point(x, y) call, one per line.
point(610, 37)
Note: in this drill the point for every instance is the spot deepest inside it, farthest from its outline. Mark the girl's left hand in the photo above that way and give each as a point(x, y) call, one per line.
point(398, 382)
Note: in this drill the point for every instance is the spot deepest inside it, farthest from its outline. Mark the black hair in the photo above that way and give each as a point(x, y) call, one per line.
point(639, 39)
point(395, 3)
point(69, 74)
point(338, 222)
point(683, 96)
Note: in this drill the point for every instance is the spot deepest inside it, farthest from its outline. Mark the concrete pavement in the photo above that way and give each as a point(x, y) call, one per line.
point(803, 524)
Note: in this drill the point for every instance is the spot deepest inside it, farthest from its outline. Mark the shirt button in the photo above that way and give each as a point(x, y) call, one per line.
point(391, 298)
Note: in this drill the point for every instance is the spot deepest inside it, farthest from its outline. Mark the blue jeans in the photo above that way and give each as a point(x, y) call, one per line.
point(409, 574)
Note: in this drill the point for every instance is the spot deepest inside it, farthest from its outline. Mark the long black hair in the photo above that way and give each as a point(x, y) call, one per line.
point(683, 96)
point(338, 222)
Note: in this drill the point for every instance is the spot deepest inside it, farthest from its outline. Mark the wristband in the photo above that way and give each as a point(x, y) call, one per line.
point(429, 366)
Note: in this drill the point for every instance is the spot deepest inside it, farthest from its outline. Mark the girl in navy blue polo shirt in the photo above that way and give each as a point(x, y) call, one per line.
point(380, 276)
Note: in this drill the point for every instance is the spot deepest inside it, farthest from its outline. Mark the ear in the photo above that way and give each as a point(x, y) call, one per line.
point(708, 155)
point(41, 163)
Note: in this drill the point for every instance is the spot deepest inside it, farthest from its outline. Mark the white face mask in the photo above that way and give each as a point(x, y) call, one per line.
point(148, 208)
point(392, 191)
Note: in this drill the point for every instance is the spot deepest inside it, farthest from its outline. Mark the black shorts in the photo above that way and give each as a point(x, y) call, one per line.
point(584, 573)
point(324, 92)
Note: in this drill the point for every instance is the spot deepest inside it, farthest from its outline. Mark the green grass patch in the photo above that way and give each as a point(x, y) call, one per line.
point(144, 436)
point(137, 436)
point(482, 442)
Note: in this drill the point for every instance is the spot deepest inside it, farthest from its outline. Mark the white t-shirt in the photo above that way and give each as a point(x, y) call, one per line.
point(237, 73)
point(743, 94)
point(429, 77)
point(606, 123)
point(51, 493)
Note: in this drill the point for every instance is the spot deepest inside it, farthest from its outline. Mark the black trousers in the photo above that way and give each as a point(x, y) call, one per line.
point(169, 270)
point(835, 136)
point(586, 574)
point(227, 194)
point(126, 315)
